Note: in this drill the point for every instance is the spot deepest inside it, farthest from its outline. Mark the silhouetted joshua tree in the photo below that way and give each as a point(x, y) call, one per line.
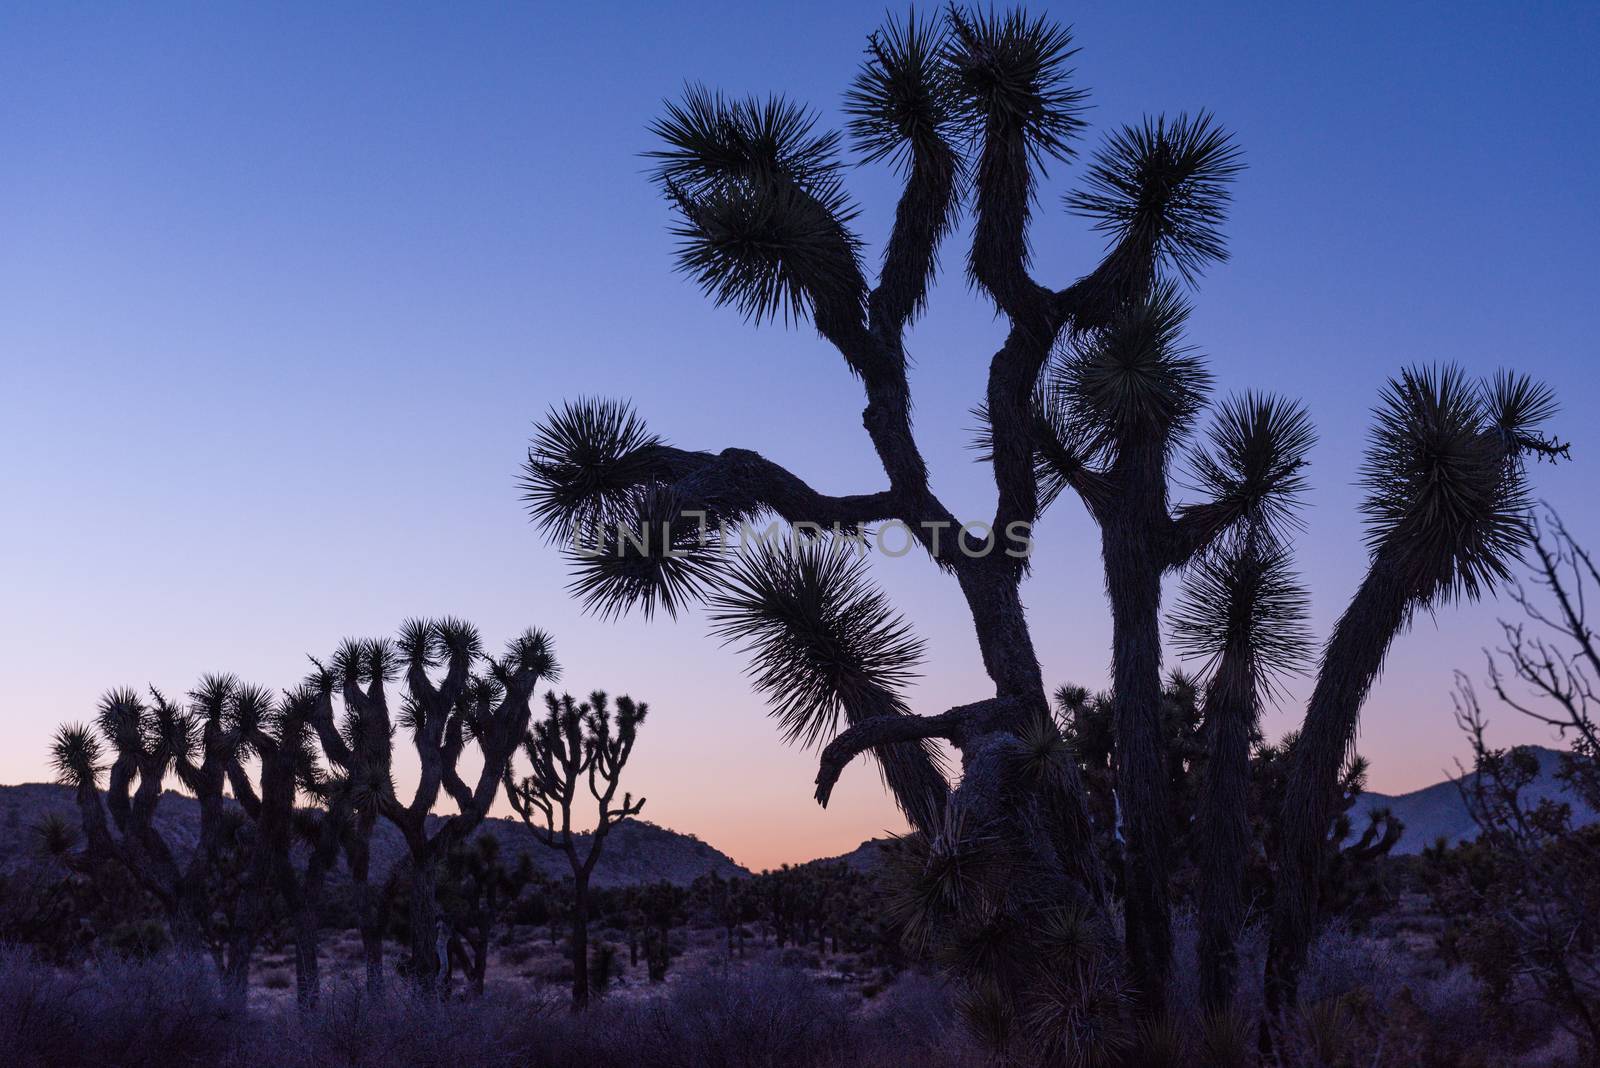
point(358, 744)
point(970, 108)
point(491, 711)
point(202, 744)
point(572, 745)
point(1447, 512)
point(475, 892)
point(286, 746)
point(1114, 407)
point(1243, 613)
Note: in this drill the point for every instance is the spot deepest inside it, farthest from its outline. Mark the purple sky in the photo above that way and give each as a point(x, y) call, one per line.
point(282, 290)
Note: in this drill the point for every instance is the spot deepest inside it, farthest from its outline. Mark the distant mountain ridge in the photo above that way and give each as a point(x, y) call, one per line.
point(636, 851)
point(1437, 811)
point(1429, 814)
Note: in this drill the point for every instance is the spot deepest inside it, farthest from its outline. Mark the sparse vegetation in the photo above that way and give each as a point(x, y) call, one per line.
point(1130, 878)
point(1096, 394)
point(573, 745)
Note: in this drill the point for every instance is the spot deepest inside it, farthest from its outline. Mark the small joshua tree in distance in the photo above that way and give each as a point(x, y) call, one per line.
point(572, 745)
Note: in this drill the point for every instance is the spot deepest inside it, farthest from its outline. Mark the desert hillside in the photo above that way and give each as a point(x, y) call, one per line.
point(636, 851)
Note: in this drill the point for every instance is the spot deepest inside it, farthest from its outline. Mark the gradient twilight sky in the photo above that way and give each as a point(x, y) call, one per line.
point(282, 288)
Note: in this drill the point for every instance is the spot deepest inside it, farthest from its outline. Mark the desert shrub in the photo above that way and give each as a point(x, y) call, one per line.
point(406, 1029)
point(749, 1018)
point(156, 1012)
point(1343, 962)
point(605, 967)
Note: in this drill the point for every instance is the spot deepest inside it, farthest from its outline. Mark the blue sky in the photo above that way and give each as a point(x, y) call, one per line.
point(282, 288)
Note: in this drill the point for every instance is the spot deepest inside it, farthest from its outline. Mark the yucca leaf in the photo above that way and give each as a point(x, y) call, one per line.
point(1162, 187)
point(903, 103)
point(587, 466)
point(820, 637)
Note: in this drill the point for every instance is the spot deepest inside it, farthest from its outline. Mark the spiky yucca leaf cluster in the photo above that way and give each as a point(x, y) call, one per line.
point(362, 661)
point(904, 103)
point(1245, 596)
point(1163, 187)
point(121, 718)
point(531, 651)
point(54, 836)
point(1077, 1017)
point(1447, 495)
point(585, 466)
point(1255, 458)
point(944, 881)
point(171, 728)
point(764, 213)
point(1014, 80)
point(660, 557)
point(1132, 382)
point(76, 754)
point(431, 642)
point(821, 639)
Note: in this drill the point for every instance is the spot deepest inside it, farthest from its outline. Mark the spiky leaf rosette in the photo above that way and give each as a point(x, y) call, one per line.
point(75, 754)
point(363, 660)
point(661, 557)
point(952, 877)
point(587, 466)
point(431, 642)
point(1246, 597)
point(1447, 495)
point(1133, 381)
point(822, 640)
point(1065, 445)
point(532, 651)
point(904, 103)
point(1162, 189)
point(1255, 458)
point(123, 720)
point(253, 711)
point(764, 213)
point(54, 836)
point(173, 730)
point(1013, 78)
point(1079, 1016)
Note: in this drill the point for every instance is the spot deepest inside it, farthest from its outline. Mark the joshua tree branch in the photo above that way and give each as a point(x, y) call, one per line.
point(956, 725)
point(739, 482)
point(1091, 486)
point(921, 221)
point(1197, 526)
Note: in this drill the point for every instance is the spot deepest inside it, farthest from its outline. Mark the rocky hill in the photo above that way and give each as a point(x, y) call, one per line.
point(635, 852)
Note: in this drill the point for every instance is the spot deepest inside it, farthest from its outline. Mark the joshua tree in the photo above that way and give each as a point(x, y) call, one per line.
point(203, 744)
point(286, 747)
point(971, 108)
point(1114, 407)
point(1243, 613)
point(442, 716)
point(573, 744)
point(1447, 512)
point(475, 891)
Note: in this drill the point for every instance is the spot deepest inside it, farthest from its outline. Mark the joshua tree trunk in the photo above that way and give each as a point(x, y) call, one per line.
point(1224, 826)
point(369, 900)
point(1351, 663)
point(424, 911)
point(580, 939)
point(1134, 580)
point(307, 969)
